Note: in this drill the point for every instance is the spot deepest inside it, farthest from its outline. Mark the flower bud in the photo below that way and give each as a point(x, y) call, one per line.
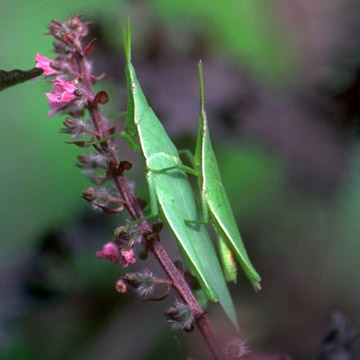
point(89, 48)
point(121, 286)
point(120, 231)
point(180, 316)
point(101, 98)
point(143, 281)
point(77, 26)
point(76, 127)
point(127, 256)
point(89, 194)
point(146, 283)
point(69, 39)
point(132, 279)
point(235, 349)
point(110, 252)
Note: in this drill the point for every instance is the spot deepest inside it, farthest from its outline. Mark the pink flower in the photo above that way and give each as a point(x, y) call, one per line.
point(44, 63)
point(121, 286)
point(62, 93)
point(127, 257)
point(109, 252)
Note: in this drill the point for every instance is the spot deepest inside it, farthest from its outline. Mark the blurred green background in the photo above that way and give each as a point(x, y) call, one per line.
point(282, 86)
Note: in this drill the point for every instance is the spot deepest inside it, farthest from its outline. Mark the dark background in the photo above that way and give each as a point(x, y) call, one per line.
point(282, 86)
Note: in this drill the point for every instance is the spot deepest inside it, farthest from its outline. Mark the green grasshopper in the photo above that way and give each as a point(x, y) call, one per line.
point(170, 192)
point(215, 201)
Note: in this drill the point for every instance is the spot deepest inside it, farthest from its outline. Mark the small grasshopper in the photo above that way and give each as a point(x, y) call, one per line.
point(214, 200)
point(170, 192)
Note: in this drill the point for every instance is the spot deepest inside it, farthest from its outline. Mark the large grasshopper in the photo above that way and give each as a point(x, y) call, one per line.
point(214, 201)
